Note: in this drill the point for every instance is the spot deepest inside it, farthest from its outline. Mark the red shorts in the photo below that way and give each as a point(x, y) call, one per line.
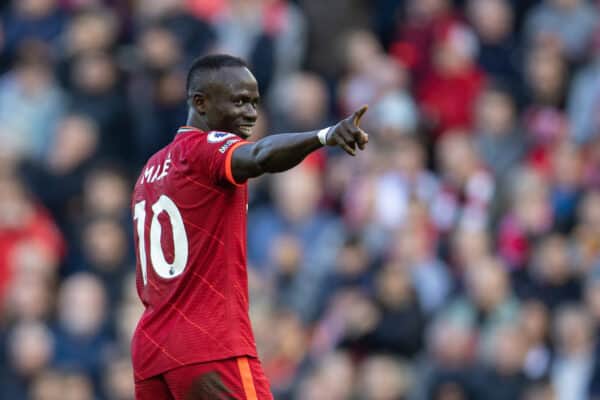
point(243, 376)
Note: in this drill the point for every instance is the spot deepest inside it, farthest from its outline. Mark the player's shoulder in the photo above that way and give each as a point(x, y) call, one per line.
point(196, 144)
point(198, 137)
point(215, 142)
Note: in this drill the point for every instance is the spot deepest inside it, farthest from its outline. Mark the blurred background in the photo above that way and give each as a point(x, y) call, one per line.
point(457, 258)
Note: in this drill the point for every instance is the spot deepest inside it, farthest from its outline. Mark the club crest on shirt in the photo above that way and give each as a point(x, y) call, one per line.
point(216, 136)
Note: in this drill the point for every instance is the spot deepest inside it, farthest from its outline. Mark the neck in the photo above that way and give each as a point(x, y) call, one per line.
point(197, 121)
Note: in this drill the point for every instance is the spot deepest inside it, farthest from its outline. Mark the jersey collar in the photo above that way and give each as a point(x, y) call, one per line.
point(185, 129)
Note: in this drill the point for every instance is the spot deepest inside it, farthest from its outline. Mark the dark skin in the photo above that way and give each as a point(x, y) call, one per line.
point(229, 101)
point(209, 386)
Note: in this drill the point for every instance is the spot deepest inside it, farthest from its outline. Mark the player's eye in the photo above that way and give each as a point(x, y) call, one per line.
point(238, 102)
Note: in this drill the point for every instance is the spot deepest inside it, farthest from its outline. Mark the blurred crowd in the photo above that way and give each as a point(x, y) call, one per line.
point(457, 258)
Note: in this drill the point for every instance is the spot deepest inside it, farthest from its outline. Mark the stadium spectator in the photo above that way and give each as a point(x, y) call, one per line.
point(383, 378)
point(417, 33)
point(429, 275)
point(332, 379)
point(586, 232)
point(499, 56)
point(117, 384)
point(553, 273)
point(500, 141)
point(47, 386)
point(31, 103)
point(489, 304)
point(104, 251)
point(81, 340)
point(566, 25)
point(22, 221)
point(468, 246)
point(156, 93)
point(447, 93)
point(58, 179)
point(299, 102)
point(329, 22)
point(269, 34)
point(505, 379)
point(31, 295)
point(528, 217)
point(466, 188)
point(567, 165)
point(403, 183)
point(40, 20)
point(573, 368)
point(449, 367)
point(31, 347)
point(400, 327)
point(544, 116)
point(534, 321)
point(97, 94)
point(106, 192)
point(193, 34)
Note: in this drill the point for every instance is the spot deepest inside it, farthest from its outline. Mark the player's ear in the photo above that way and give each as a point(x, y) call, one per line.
point(198, 102)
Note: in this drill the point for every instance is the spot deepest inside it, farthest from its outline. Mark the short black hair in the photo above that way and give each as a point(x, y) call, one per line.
point(211, 62)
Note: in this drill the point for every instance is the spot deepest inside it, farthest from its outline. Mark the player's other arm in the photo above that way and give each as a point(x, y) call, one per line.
point(281, 152)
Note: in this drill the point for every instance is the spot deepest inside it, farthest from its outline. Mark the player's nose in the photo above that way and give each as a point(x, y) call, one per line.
point(250, 113)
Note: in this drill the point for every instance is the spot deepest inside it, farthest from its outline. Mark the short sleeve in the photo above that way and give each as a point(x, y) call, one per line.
point(212, 155)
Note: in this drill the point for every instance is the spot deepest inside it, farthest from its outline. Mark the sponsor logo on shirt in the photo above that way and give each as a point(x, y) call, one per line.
point(216, 136)
point(227, 145)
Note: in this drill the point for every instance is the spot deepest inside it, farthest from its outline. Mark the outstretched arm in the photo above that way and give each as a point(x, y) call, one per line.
point(281, 152)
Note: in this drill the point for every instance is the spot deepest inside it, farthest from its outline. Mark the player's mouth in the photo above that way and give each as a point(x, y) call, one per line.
point(246, 129)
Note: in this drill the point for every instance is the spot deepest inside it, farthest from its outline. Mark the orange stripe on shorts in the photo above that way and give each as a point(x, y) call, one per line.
point(247, 380)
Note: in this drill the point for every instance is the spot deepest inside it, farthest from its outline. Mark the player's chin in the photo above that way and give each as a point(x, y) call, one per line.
point(245, 131)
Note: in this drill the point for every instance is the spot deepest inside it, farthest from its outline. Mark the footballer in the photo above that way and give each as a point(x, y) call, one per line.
point(194, 339)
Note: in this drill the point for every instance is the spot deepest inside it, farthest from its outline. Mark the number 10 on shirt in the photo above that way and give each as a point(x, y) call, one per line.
point(159, 263)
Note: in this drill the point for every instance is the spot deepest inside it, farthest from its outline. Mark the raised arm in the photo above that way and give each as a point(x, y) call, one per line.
point(283, 151)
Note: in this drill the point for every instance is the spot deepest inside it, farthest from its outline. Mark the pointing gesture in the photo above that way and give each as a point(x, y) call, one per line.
point(347, 133)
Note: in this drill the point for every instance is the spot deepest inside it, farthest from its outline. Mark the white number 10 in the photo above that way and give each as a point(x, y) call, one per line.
point(163, 268)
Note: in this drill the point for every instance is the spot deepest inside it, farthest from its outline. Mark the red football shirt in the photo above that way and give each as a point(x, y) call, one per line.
point(190, 237)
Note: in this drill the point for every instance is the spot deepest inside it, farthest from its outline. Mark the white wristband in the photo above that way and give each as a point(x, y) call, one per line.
point(322, 135)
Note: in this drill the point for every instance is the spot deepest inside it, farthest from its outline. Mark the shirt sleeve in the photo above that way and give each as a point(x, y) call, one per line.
point(213, 155)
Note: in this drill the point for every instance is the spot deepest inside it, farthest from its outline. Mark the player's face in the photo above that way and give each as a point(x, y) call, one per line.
point(233, 101)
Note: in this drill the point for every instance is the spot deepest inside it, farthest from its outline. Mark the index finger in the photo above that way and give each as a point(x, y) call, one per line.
point(359, 114)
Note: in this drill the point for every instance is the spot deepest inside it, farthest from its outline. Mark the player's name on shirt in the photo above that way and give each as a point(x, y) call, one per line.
point(154, 173)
